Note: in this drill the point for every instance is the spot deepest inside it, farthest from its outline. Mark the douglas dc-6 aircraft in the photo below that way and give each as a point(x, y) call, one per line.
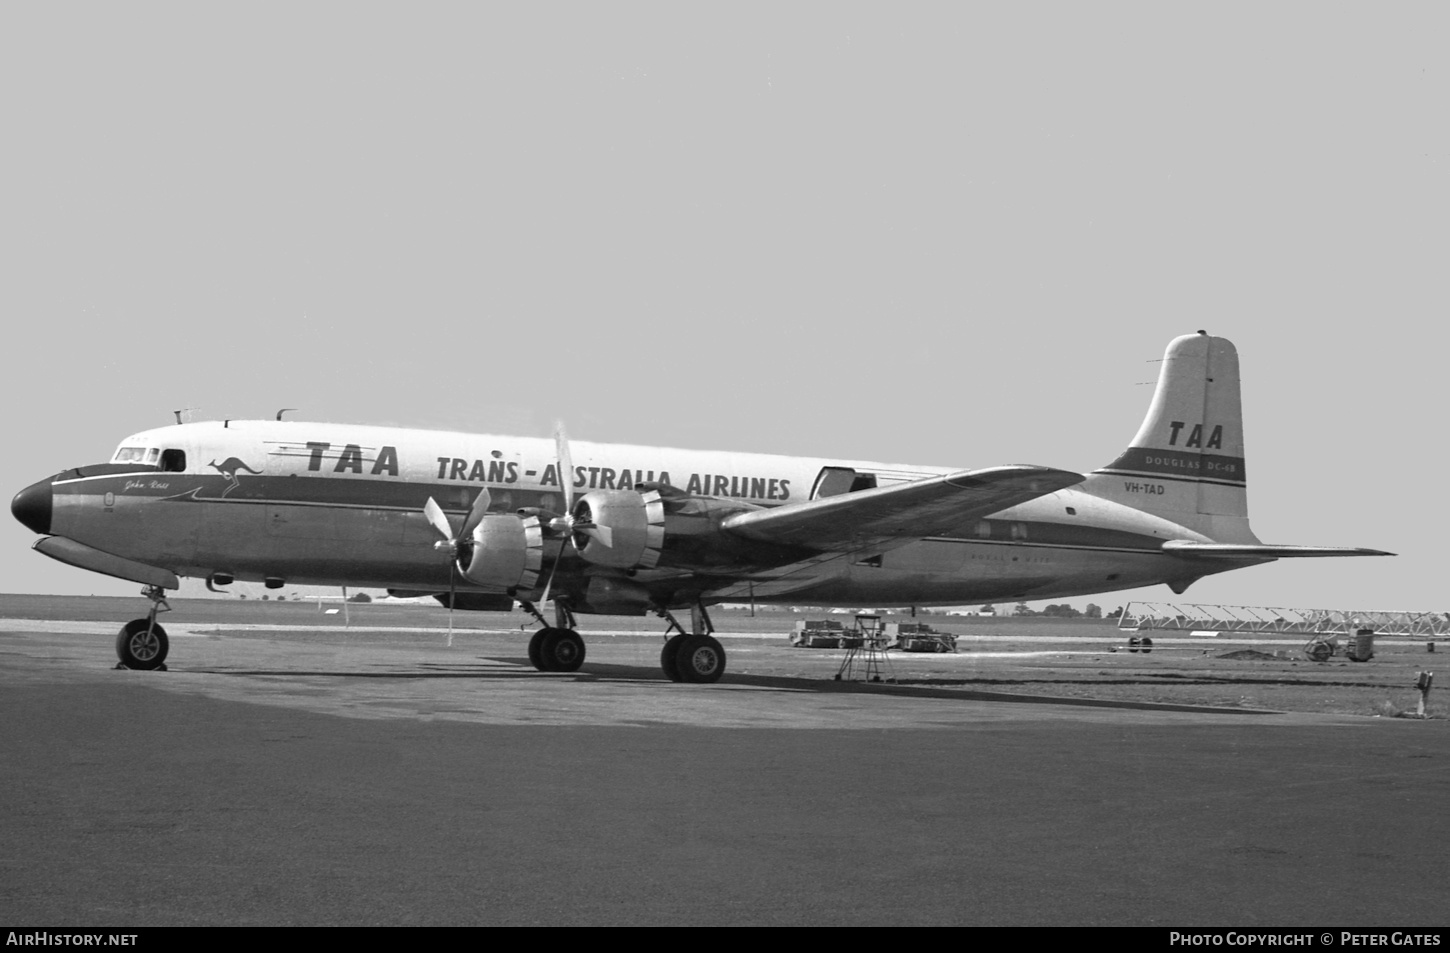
point(487, 521)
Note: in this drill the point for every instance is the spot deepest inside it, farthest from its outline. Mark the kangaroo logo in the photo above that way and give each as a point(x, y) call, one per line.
point(228, 468)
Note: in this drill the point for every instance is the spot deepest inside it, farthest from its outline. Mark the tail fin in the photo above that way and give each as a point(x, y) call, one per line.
point(1187, 462)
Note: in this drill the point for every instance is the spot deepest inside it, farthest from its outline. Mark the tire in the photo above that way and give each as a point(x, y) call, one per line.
point(1318, 651)
point(669, 656)
point(562, 651)
point(142, 650)
point(700, 660)
point(1133, 644)
point(1145, 645)
point(535, 659)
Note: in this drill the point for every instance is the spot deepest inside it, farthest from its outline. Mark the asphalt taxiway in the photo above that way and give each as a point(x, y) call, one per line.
point(296, 776)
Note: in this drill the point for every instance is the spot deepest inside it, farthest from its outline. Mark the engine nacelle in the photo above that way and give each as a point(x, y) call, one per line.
point(636, 525)
point(504, 553)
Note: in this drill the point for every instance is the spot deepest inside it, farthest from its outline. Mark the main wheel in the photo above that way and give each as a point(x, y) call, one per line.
point(669, 657)
point(561, 650)
point(535, 659)
point(142, 645)
point(700, 659)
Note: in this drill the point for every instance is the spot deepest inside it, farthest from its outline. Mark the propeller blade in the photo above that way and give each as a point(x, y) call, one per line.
point(434, 512)
point(452, 595)
point(550, 584)
point(566, 465)
point(475, 515)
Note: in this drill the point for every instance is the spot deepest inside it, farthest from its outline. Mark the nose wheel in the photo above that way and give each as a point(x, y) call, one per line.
point(142, 643)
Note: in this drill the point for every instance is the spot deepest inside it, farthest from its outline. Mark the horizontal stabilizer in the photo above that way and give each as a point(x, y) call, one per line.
point(77, 554)
point(1184, 547)
point(907, 511)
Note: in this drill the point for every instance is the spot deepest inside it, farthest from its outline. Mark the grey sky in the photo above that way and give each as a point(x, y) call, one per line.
point(948, 234)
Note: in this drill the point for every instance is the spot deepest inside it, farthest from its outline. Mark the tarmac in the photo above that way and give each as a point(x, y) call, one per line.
point(286, 774)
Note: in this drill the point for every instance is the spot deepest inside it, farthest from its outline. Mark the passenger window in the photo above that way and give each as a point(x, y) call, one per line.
point(173, 461)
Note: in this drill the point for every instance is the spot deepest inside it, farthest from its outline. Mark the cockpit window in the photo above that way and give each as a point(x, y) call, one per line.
point(134, 455)
point(173, 461)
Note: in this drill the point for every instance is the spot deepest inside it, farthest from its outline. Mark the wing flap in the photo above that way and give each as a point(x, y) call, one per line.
point(1184, 547)
point(907, 511)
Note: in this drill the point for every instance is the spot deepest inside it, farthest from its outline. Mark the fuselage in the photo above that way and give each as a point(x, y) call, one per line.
point(337, 504)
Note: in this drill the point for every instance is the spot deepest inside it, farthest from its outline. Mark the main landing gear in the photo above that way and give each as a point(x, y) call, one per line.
point(555, 648)
point(695, 656)
point(142, 643)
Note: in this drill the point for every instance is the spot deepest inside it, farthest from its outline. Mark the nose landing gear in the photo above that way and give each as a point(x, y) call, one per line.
point(142, 643)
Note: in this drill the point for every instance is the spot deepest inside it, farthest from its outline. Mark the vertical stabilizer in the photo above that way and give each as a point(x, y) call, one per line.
point(1187, 462)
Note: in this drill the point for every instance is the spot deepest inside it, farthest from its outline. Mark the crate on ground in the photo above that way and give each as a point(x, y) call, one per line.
point(919, 637)
point(818, 634)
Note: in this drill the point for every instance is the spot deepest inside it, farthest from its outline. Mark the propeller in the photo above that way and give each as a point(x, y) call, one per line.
point(573, 524)
point(452, 545)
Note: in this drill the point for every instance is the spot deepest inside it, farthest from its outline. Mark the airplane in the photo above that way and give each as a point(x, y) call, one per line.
point(484, 522)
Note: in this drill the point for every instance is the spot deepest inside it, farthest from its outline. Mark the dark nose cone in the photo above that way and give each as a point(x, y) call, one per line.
point(31, 506)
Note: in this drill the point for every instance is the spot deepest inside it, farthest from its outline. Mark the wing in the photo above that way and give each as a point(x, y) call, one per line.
point(1184, 547)
point(902, 513)
point(851, 525)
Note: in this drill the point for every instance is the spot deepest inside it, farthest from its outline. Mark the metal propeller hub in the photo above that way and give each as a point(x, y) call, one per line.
point(582, 525)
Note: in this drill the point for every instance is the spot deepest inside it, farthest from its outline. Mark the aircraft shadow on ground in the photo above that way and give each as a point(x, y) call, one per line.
point(641, 674)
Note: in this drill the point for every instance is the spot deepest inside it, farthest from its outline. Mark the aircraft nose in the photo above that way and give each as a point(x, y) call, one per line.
point(31, 506)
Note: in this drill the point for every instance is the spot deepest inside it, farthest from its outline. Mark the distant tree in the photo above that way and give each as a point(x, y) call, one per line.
point(360, 597)
point(1063, 611)
point(987, 609)
point(264, 598)
point(1116, 613)
point(1093, 612)
point(1021, 609)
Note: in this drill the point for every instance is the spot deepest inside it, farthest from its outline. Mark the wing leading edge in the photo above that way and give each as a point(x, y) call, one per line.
point(1184, 547)
point(929, 507)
